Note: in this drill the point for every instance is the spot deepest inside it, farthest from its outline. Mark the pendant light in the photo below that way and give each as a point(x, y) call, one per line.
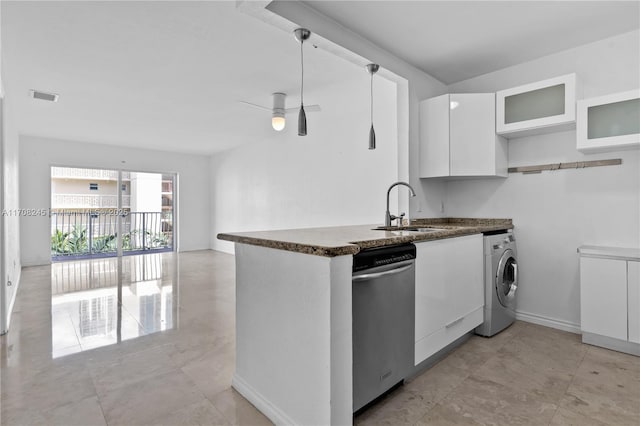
point(372, 69)
point(301, 35)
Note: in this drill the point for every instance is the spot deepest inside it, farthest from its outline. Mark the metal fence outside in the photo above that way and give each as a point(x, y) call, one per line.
point(80, 235)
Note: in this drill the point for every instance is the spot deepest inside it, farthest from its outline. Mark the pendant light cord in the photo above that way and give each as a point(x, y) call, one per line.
point(372, 99)
point(301, 73)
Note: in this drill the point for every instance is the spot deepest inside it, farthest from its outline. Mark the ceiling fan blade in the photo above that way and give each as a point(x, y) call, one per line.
point(307, 108)
point(256, 106)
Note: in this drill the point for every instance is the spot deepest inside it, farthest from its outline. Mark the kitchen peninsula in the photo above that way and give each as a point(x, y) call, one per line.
point(293, 312)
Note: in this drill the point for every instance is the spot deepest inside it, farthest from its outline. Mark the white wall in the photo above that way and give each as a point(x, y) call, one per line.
point(556, 212)
point(10, 267)
point(4, 312)
point(37, 155)
point(414, 85)
point(326, 178)
point(10, 230)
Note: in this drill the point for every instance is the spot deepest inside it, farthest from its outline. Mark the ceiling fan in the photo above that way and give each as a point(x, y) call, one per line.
point(278, 111)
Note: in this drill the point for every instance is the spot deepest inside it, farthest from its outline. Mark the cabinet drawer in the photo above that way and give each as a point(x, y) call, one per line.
point(441, 338)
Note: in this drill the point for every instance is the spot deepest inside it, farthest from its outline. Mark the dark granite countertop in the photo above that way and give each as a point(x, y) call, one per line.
point(349, 240)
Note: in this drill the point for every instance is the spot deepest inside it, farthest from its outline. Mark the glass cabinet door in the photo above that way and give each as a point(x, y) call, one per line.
point(539, 107)
point(610, 122)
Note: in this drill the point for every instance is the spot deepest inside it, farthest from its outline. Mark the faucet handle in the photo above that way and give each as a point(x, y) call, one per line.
point(400, 218)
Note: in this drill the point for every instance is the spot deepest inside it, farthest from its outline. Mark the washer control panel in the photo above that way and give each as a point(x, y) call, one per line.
point(499, 242)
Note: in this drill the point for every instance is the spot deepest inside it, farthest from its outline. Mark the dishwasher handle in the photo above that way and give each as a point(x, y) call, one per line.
point(375, 275)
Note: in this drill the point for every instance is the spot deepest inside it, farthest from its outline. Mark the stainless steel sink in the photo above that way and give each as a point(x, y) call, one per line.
point(409, 229)
point(425, 229)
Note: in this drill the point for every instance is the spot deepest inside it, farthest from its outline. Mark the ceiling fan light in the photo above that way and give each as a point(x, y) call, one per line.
point(278, 122)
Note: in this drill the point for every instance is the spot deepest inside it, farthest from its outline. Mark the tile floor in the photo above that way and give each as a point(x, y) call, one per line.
point(151, 341)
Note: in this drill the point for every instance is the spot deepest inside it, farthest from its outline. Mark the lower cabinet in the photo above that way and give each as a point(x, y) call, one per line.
point(633, 302)
point(449, 292)
point(610, 298)
point(603, 297)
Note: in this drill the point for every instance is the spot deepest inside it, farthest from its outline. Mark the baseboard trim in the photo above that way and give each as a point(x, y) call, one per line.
point(274, 414)
point(549, 322)
point(611, 343)
point(223, 246)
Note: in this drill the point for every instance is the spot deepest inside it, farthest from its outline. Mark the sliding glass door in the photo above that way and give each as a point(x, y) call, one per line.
point(95, 210)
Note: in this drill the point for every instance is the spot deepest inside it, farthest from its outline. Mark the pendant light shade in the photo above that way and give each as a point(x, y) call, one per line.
point(372, 138)
point(372, 69)
point(302, 122)
point(302, 34)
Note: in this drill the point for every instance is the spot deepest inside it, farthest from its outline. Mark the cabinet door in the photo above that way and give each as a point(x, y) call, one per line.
point(537, 107)
point(633, 302)
point(434, 137)
point(603, 297)
point(472, 134)
point(609, 122)
point(449, 282)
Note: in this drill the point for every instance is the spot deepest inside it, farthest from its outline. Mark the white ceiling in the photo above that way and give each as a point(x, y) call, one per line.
point(457, 40)
point(157, 75)
point(168, 75)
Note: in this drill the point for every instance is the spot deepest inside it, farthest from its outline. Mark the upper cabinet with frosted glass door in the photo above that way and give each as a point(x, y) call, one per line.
point(540, 107)
point(610, 122)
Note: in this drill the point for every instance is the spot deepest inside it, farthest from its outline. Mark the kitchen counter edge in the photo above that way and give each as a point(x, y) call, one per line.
point(286, 239)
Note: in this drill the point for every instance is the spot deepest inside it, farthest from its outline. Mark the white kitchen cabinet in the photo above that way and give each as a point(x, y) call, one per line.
point(449, 292)
point(540, 107)
point(603, 297)
point(458, 137)
point(610, 297)
point(633, 304)
point(609, 122)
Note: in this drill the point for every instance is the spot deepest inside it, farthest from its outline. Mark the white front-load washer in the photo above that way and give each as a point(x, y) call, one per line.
point(501, 283)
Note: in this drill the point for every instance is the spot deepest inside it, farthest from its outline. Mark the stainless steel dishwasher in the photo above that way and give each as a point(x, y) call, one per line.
point(383, 320)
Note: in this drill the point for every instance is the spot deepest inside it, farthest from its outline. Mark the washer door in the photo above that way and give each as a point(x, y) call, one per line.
point(507, 279)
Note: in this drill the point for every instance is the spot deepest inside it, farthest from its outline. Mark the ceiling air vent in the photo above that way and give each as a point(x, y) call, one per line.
point(44, 96)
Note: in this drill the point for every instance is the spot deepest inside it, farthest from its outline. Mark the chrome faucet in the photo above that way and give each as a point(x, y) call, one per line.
point(388, 216)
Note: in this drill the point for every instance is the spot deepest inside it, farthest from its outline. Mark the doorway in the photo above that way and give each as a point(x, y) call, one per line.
point(94, 212)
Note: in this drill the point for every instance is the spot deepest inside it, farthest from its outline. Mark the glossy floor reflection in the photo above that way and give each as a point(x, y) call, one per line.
point(100, 302)
point(154, 344)
point(169, 360)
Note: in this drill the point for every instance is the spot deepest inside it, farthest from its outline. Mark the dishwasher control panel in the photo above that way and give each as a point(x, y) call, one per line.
point(380, 256)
